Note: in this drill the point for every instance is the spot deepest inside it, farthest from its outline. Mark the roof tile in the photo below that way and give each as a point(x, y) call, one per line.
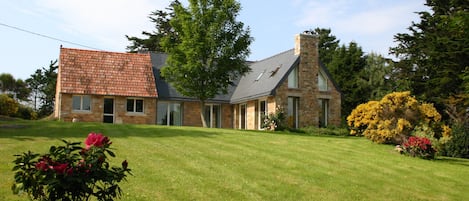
point(106, 73)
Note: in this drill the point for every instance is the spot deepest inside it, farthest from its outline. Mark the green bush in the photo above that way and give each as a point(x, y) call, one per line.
point(275, 121)
point(26, 112)
point(8, 106)
point(334, 131)
point(458, 145)
point(418, 147)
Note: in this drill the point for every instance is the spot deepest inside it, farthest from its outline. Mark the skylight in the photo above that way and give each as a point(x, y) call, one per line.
point(260, 75)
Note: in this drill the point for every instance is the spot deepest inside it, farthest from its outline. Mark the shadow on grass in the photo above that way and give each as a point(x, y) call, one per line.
point(59, 130)
point(28, 130)
point(454, 161)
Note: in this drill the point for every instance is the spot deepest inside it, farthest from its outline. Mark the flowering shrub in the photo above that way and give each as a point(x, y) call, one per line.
point(418, 147)
point(393, 118)
point(275, 121)
point(70, 172)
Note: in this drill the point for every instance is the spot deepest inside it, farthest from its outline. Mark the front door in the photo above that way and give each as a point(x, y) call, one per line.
point(108, 113)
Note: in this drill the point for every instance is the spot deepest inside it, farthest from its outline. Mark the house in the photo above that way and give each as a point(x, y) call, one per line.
point(90, 83)
point(98, 86)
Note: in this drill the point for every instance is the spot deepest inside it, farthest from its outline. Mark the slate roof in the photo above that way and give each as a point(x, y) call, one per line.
point(265, 77)
point(106, 73)
point(167, 92)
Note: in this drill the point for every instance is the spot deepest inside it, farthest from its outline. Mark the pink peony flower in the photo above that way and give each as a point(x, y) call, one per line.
point(97, 140)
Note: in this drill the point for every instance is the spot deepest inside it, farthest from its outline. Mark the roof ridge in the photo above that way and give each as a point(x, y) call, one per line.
point(275, 55)
point(103, 51)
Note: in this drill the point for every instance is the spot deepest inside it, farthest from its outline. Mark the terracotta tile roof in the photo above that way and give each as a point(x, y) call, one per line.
point(106, 73)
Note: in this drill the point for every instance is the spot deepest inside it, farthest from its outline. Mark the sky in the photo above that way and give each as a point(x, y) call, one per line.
point(32, 31)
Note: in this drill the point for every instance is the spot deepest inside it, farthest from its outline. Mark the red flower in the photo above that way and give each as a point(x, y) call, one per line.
point(97, 140)
point(42, 165)
point(60, 168)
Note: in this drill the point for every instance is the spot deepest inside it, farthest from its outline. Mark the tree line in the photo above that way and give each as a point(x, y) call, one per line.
point(32, 98)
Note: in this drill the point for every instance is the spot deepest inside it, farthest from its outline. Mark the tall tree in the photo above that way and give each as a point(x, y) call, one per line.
point(210, 50)
point(43, 85)
point(346, 67)
point(153, 39)
point(377, 75)
point(328, 44)
point(434, 55)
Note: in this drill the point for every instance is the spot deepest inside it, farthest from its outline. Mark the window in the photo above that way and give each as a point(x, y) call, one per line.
point(81, 103)
point(169, 114)
point(292, 113)
point(322, 81)
point(242, 116)
point(293, 78)
point(323, 112)
point(135, 105)
point(212, 116)
point(262, 112)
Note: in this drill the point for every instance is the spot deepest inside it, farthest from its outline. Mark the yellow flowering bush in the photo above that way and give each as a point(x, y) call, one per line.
point(393, 118)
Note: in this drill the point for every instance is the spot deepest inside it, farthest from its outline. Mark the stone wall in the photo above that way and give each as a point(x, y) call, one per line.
point(307, 91)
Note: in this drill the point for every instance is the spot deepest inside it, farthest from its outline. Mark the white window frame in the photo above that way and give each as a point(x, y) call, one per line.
point(245, 116)
point(293, 79)
point(265, 113)
point(169, 105)
point(326, 86)
point(81, 103)
point(134, 110)
point(211, 118)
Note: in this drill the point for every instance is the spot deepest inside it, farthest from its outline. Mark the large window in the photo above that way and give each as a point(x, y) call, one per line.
point(81, 103)
point(242, 116)
point(293, 78)
point(169, 114)
point(135, 105)
point(292, 113)
point(262, 112)
point(213, 115)
point(323, 112)
point(322, 81)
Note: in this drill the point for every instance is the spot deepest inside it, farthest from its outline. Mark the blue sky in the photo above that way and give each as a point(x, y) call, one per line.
point(103, 24)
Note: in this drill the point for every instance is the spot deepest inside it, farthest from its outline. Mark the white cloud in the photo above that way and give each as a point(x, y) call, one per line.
point(107, 21)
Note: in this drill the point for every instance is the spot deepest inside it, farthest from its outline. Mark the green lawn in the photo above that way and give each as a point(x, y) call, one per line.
point(185, 163)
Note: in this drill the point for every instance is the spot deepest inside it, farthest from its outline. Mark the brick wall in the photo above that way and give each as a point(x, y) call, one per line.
point(96, 114)
point(191, 114)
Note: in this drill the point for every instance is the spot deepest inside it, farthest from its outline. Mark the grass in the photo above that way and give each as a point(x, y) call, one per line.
point(185, 163)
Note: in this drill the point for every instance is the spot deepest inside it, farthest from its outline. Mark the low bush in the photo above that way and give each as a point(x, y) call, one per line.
point(70, 172)
point(393, 118)
point(333, 131)
point(458, 145)
point(418, 147)
point(275, 121)
point(8, 106)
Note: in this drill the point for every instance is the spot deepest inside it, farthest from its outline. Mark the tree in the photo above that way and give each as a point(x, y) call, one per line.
point(16, 87)
point(7, 82)
point(43, 84)
point(210, 50)
point(346, 68)
point(328, 44)
point(162, 28)
point(434, 55)
point(377, 74)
